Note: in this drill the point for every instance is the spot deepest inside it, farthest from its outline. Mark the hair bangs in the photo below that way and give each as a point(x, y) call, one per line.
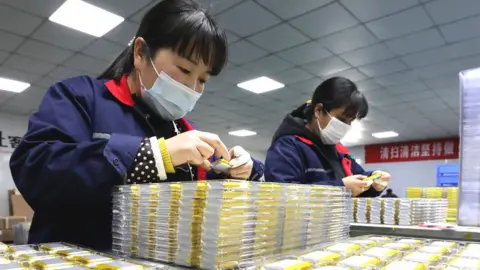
point(200, 39)
point(357, 107)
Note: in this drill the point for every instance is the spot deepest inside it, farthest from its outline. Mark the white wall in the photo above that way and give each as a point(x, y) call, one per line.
point(10, 125)
point(405, 174)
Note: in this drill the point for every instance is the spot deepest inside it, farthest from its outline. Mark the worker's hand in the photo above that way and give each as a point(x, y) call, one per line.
point(196, 147)
point(385, 178)
point(241, 163)
point(356, 184)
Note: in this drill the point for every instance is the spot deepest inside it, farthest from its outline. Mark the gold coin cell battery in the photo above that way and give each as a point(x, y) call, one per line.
point(288, 265)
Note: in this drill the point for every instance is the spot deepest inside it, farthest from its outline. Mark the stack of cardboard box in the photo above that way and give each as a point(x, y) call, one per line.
point(20, 212)
point(6, 227)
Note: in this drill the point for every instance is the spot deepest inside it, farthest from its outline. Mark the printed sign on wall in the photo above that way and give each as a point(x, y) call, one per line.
point(8, 142)
point(412, 151)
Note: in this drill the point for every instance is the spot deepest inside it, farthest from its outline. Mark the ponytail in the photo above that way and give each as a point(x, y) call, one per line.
point(123, 64)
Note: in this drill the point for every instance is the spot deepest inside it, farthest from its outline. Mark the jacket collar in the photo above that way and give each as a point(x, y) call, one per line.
point(120, 90)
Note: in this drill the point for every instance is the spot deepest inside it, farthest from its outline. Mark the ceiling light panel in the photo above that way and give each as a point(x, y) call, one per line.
point(86, 18)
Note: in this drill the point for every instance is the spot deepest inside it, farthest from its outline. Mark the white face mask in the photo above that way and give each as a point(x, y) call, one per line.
point(170, 99)
point(334, 131)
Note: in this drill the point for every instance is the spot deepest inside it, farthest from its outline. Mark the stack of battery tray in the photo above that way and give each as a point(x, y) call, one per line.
point(330, 214)
point(226, 224)
point(377, 211)
point(363, 210)
point(390, 211)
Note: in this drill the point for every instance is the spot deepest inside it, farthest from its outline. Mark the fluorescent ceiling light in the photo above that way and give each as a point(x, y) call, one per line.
point(242, 133)
point(85, 18)
point(261, 85)
point(385, 134)
point(13, 85)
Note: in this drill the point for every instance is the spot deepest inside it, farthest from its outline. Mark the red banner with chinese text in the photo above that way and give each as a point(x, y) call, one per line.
point(412, 151)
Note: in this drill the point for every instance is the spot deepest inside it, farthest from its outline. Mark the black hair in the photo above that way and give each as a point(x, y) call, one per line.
point(181, 25)
point(389, 190)
point(338, 92)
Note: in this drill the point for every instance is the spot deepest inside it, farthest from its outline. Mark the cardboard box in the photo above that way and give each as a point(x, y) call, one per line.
point(6, 236)
point(7, 223)
point(18, 206)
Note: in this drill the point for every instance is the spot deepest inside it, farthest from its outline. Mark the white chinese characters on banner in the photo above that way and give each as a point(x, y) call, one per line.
point(384, 153)
point(448, 148)
point(417, 150)
point(425, 150)
point(394, 152)
point(404, 151)
point(437, 149)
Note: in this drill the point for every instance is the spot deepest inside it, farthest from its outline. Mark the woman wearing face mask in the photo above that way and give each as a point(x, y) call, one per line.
point(125, 127)
point(306, 147)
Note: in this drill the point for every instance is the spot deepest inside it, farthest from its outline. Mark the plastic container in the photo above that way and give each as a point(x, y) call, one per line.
point(405, 265)
point(380, 239)
point(365, 243)
point(12, 266)
point(399, 246)
point(321, 258)
point(410, 241)
point(383, 254)
point(54, 247)
point(288, 265)
point(465, 263)
point(70, 253)
point(424, 258)
point(446, 244)
point(332, 268)
point(469, 253)
point(15, 251)
point(118, 265)
point(345, 249)
point(360, 262)
point(434, 249)
point(51, 263)
point(28, 258)
point(3, 247)
point(91, 260)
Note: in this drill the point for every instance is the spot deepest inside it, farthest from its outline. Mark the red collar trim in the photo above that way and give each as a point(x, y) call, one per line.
point(342, 149)
point(120, 90)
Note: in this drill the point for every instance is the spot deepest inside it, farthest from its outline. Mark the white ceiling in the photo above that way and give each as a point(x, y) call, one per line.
point(403, 54)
